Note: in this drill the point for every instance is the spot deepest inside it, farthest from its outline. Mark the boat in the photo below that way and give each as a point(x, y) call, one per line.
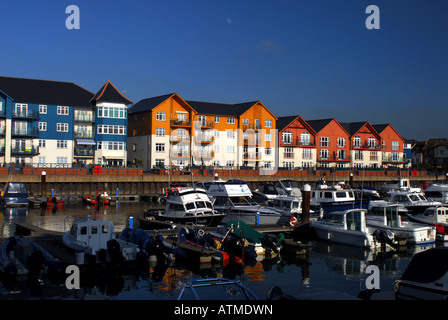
point(284, 187)
point(21, 256)
point(426, 277)
point(235, 200)
point(291, 187)
point(101, 198)
point(187, 205)
point(334, 198)
point(388, 218)
point(346, 227)
point(415, 202)
point(197, 290)
point(437, 192)
point(434, 216)
point(95, 240)
point(15, 195)
point(401, 184)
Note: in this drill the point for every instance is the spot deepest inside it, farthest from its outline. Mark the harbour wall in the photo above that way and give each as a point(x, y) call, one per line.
point(149, 185)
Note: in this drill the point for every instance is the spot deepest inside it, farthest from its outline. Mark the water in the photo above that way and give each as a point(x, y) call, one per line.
point(328, 267)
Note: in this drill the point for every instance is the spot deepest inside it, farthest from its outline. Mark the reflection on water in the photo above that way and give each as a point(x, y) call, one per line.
point(326, 267)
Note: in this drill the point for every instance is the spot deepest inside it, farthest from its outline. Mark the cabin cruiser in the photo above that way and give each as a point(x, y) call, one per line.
point(388, 218)
point(97, 238)
point(187, 205)
point(414, 202)
point(434, 216)
point(334, 198)
point(437, 192)
point(426, 277)
point(15, 195)
point(346, 227)
point(235, 200)
point(402, 184)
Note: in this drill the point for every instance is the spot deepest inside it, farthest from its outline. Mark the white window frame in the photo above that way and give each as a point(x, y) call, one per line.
point(62, 127)
point(42, 109)
point(161, 116)
point(42, 126)
point(62, 111)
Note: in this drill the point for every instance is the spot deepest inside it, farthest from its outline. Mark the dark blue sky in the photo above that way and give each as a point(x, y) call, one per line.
point(312, 58)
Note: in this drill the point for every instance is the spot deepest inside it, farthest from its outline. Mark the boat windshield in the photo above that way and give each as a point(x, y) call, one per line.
point(414, 197)
point(335, 218)
point(242, 201)
point(16, 188)
point(422, 197)
point(295, 205)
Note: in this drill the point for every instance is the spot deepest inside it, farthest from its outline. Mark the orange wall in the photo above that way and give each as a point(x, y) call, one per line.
point(297, 127)
point(389, 135)
point(365, 133)
point(333, 130)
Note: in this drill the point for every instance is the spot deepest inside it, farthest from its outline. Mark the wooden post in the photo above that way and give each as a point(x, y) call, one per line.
point(306, 204)
point(43, 180)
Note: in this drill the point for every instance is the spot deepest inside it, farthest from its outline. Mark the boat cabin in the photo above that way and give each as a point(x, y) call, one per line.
point(353, 220)
point(189, 200)
point(288, 204)
point(435, 215)
point(406, 198)
point(437, 192)
point(331, 194)
point(386, 215)
point(15, 194)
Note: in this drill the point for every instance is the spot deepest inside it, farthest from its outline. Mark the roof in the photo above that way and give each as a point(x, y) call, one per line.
point(434, 143)
point(319, 124)
point(283, 122)
point(149, 103)
point(45, 92)
point(109, 93)
point(353, 127)
point(380, 127)
point(221, 108)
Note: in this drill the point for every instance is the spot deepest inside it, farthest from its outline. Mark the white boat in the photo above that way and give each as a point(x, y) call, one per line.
point(426, 277)
point(291, 187)
point(334, 198)
point(187, 205)
point(434, 216)
point(346, 227)
point(402, 184)
point(235, 200)
point(289, 204)
point(437, 192)
point(388, 218)
point(97, 238)
point(414, 202)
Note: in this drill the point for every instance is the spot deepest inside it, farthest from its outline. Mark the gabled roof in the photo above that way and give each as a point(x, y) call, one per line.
point(109, 93)
point(283, 122)
point(319, 124)
point(353, 127)
point(149, 103)
point(380, 127)
point(45, 92)
point(223, 109)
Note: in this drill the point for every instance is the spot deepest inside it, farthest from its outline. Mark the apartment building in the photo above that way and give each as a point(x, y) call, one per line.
point(170, 131)
point(45, 122)
point(365, 144)
point(297, 143)
point(392, 145)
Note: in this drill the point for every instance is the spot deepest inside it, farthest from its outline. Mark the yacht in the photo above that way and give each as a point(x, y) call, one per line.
point(15, 194)
point(235, 200)
point(437, 192)
point(402, 184)
point(434, 216)
point(415, 202)
point(346, 227)
point(388, 218)
point(334, 198)
point(187, 205)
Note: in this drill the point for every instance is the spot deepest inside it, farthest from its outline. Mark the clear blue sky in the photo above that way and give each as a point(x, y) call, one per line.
point(313, 58)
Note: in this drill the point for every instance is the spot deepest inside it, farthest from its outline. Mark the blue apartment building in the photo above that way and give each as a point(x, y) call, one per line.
point(54, 123)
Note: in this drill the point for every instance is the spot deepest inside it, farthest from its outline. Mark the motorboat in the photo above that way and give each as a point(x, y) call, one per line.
point(235, 200)
point(434, 216)
point(334, 198)
point(101, 199)
point(289, 204)
point(187, 205)
point(414, 202)
point(388, 218)
point(426, 277)
point(15, 195)
point(346, 227)
point(402, 184)
point(437, 192)
point(96, 238)
point(291, 187)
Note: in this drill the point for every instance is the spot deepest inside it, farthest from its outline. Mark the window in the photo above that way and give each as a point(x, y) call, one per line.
point(395, 145)
point(340, 142)
point(358, 155)
point(160, 147)
point(110, 129)
point(372, 142)
point(324, 154)
point(112, 112)
point(356, 142)
point(289, 153)
point(160, 163)
point(373, 156)
point(305, 138)
point(217, 119)
point(62, 110)
point(324, 142)
point(42, 143)
point(268, 123)
point(62, 127)
point(160, 116)
point(202, 120)
point(267, 151)
point(42, 126)
point(216, 148)
point(340, 154)
point(41, 160)
point(230, 120)
point(268, 137)
point(111, 145)
point(160, 132)
point(230, 149)
point(61, 160)
point(287, 137)
point(245, 122)
point(230, 134)
point(288, 164)
point(61, 144)
point(42, 109)
point(134, 147)
point(306, 154)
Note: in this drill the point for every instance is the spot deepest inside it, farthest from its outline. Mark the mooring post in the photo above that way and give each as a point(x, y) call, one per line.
point(306, 204)
point(351, 180)
point(43, 180)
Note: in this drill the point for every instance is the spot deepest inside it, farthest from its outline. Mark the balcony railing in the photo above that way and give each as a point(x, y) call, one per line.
point(83, 134)
point(26, 114)
point(207, 139)
point(333, 158)
point(297, 143)
point(180, 123)
point(180, 154)
point(84, 152)
point(252, 155)
point(84, 117)
point(28, 132)
point(23, 151)
point(204, 154)
point(179, 138)
point(367, 146)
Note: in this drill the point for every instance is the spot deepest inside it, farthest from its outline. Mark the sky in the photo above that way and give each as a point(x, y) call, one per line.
point(313, 58)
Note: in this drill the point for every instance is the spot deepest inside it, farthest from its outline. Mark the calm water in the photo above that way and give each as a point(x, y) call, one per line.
point(327, 267)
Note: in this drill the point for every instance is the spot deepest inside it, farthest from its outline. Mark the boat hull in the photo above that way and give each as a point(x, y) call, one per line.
point(254, 219)
point(211, 220)
point(348, 237)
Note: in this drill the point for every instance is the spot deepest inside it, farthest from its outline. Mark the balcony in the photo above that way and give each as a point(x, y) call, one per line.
point(205, 154)
point(84, 151)
point(297, 143)
point(367, 146)
point(25, 151)
point(180, 154)
point(252, 155)
point(206, 124)
point(393, 159)
point(204, 140)
point(84, 117)
point(25, 132)
point(85, 135)
point(26, 114)
point(180, 123)
point(251, 126)
point(251, 141)
point(334, 158)
point(178, 139)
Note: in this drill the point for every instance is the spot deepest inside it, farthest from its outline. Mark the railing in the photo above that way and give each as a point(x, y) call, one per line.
point(84, 118)
point(84, 152)
point(180, 154)
point(82, 134)
point(25, 150)
point(28, 114)
point(28, 132)
point(179, 138)
point(296, 142)
point(180, 123)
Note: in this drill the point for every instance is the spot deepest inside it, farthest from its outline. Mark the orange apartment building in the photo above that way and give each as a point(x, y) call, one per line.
point(297, 143)
point(392, 146)
point(365, 144)
point(332, 143)
point(167, 130)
